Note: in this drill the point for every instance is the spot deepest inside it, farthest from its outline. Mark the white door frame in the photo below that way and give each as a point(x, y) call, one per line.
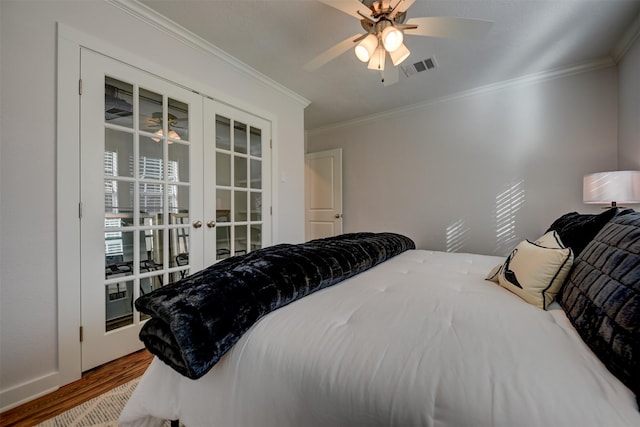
point(69, 43)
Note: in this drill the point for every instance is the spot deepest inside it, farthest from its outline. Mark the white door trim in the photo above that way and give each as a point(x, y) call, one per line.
point(68, 206)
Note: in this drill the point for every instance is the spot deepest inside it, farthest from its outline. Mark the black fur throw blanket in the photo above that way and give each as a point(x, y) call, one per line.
point(196, 320)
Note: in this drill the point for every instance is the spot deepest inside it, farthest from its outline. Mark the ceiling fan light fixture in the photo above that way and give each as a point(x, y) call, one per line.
point(172, 134)
point(399, 55)
point(378, 59)
point(392, 38)
point(366, 48)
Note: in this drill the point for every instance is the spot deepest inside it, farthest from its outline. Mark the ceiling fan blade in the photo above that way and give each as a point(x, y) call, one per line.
point(332, 53)
point(401, 6)
point(178, 119)
point(390, 75)
point(455, 28)
point(350, 7)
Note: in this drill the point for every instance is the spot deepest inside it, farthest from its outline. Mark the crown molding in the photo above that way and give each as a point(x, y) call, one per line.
point(494, 87)
point(627, 40)
point(173, 29)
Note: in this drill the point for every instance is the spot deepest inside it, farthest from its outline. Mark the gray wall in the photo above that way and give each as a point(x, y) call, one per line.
point(28, 288)
point(629, 105)
point(481, 172)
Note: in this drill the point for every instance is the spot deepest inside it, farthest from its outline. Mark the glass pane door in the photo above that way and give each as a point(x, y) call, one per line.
point(140, 145)
point(147, 189)
point(240, 198)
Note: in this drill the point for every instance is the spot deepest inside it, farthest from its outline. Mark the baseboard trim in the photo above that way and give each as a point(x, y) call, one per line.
point(28, 391)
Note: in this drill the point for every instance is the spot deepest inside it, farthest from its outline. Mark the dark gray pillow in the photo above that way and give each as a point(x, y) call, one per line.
point(576, 230)
point(602, 297)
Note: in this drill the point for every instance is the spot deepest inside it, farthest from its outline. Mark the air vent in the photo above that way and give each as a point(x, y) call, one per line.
point(419, 67)
point(114, 106)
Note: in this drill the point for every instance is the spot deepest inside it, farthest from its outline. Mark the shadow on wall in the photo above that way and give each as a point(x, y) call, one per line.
point(508, 203)
point(457, 235)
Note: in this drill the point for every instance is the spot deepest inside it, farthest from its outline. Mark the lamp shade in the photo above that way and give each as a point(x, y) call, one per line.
point(399, 55)
point(172, 134)
point(391, 38)
point(378, 59)
point(366, 47)
point(612, 187)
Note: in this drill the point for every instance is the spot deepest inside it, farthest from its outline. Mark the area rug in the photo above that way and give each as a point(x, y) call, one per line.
point(103, 410)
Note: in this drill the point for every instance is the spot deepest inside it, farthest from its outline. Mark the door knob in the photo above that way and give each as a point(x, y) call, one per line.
point(211, 224)
point(197, 224)
point(338, 215)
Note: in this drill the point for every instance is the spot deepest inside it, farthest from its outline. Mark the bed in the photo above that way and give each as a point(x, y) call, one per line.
point(426, 338)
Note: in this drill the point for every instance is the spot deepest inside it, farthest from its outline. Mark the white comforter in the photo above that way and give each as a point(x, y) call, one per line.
point(420, 340)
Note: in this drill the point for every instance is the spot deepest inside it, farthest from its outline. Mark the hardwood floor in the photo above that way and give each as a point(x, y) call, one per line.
point(93, 383)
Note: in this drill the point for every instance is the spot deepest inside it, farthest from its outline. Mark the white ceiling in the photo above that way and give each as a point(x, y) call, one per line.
point(277, 37)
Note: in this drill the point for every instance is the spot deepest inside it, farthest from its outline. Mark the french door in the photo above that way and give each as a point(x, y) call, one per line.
point(170, 182)
point(140, 191)
point(237, 184)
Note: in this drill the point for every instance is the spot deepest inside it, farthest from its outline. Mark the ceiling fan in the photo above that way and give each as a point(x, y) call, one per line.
point(385, 23)
point(155, 122)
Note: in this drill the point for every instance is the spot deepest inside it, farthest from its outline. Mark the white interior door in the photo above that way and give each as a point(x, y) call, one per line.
point(238, 164)
point(141, 197)
point(323, 194)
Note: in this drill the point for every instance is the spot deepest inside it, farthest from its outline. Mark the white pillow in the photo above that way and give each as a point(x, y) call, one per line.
point(493, 274)
point(535, 273)
point(548, 240)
